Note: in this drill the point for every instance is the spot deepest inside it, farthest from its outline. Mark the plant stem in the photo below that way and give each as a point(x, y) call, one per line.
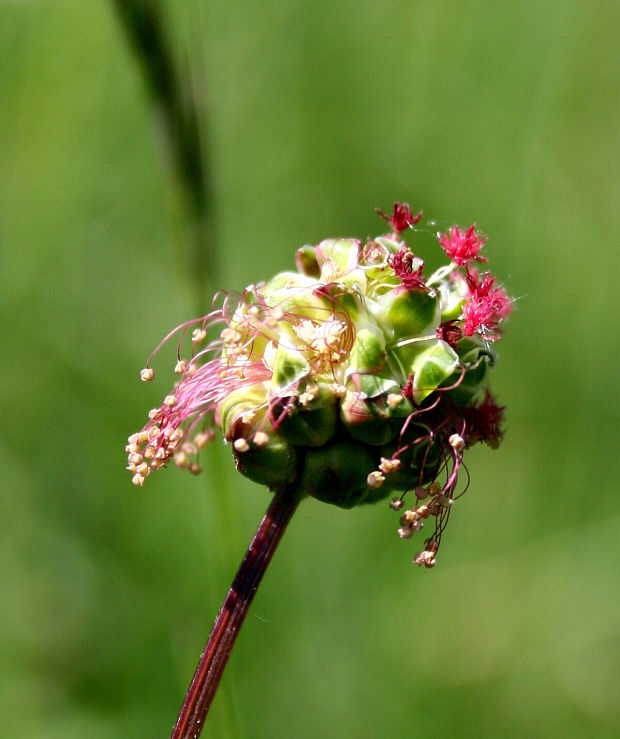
point(232, 613)
point(148, 32)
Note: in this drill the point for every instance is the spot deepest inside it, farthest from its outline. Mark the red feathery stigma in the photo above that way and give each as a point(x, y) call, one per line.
point(463, 246)
point(408, 388)
point(402, 217)
point(450, 332)
point(485, 422)
point(408, 269)
point(485, 307)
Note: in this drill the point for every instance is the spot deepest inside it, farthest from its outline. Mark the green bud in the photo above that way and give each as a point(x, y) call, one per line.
point(239, 403)
point(431, 367)
point(408, 312)
point(306, 262)
point(337, 473)
point(368, 352)
point(366, 419)
point(273, 462)
point(289, 366)
point(306, 421)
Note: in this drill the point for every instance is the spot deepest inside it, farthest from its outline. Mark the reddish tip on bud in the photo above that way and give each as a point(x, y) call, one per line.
point(402, 217)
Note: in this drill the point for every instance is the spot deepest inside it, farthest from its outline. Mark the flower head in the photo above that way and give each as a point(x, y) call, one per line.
point(352, 378)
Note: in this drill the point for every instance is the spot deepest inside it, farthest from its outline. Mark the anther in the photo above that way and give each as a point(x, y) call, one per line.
point(424, 559)
point(203, 438)
point(241, 445)
point(180, 459)
point(260, 438)
point(375, 479)
point(389, 465)
point(147, 374)
point(456, 441)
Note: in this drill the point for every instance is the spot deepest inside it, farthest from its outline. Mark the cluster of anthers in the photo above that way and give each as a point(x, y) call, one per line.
point(351, 378)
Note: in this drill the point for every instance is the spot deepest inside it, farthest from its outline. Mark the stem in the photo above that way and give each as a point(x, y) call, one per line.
point(232, 613)
point(148, 32)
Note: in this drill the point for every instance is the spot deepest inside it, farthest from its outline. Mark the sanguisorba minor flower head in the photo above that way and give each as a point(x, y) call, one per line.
point(352, 378)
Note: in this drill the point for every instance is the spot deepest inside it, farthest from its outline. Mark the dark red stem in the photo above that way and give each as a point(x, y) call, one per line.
point(232, 613)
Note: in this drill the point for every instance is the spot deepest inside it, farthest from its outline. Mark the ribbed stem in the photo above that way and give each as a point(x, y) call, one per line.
point(232, 613)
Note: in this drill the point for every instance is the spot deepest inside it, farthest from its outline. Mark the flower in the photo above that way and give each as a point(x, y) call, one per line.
point(352, 378)
point(463, 246)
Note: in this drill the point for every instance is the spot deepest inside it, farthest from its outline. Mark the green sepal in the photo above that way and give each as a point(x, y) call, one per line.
point(408, 312)
point(367, 420)
point(374, 385)
point(337, 473)
point(284, 281)
point(273, 463)
point(311, 425)
point(368, 353)
point(431, 367)
point(338, 260)
point(306, 261)
point(289, 366)
point(470, 352)
point(238, 403)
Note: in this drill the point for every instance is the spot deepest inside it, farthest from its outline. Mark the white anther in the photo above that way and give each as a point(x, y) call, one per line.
point(146, 375)
point(241, 445)
point(375, 479)
point(203, 438)
point(260, 438)
point(389, 465)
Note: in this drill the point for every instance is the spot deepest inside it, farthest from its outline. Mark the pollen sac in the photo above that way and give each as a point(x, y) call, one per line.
point(352, 378)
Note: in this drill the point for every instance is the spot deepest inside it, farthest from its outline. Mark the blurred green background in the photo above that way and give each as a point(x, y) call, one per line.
point(311, 115)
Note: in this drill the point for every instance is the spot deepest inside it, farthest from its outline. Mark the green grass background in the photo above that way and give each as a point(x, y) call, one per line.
point(315, 113)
